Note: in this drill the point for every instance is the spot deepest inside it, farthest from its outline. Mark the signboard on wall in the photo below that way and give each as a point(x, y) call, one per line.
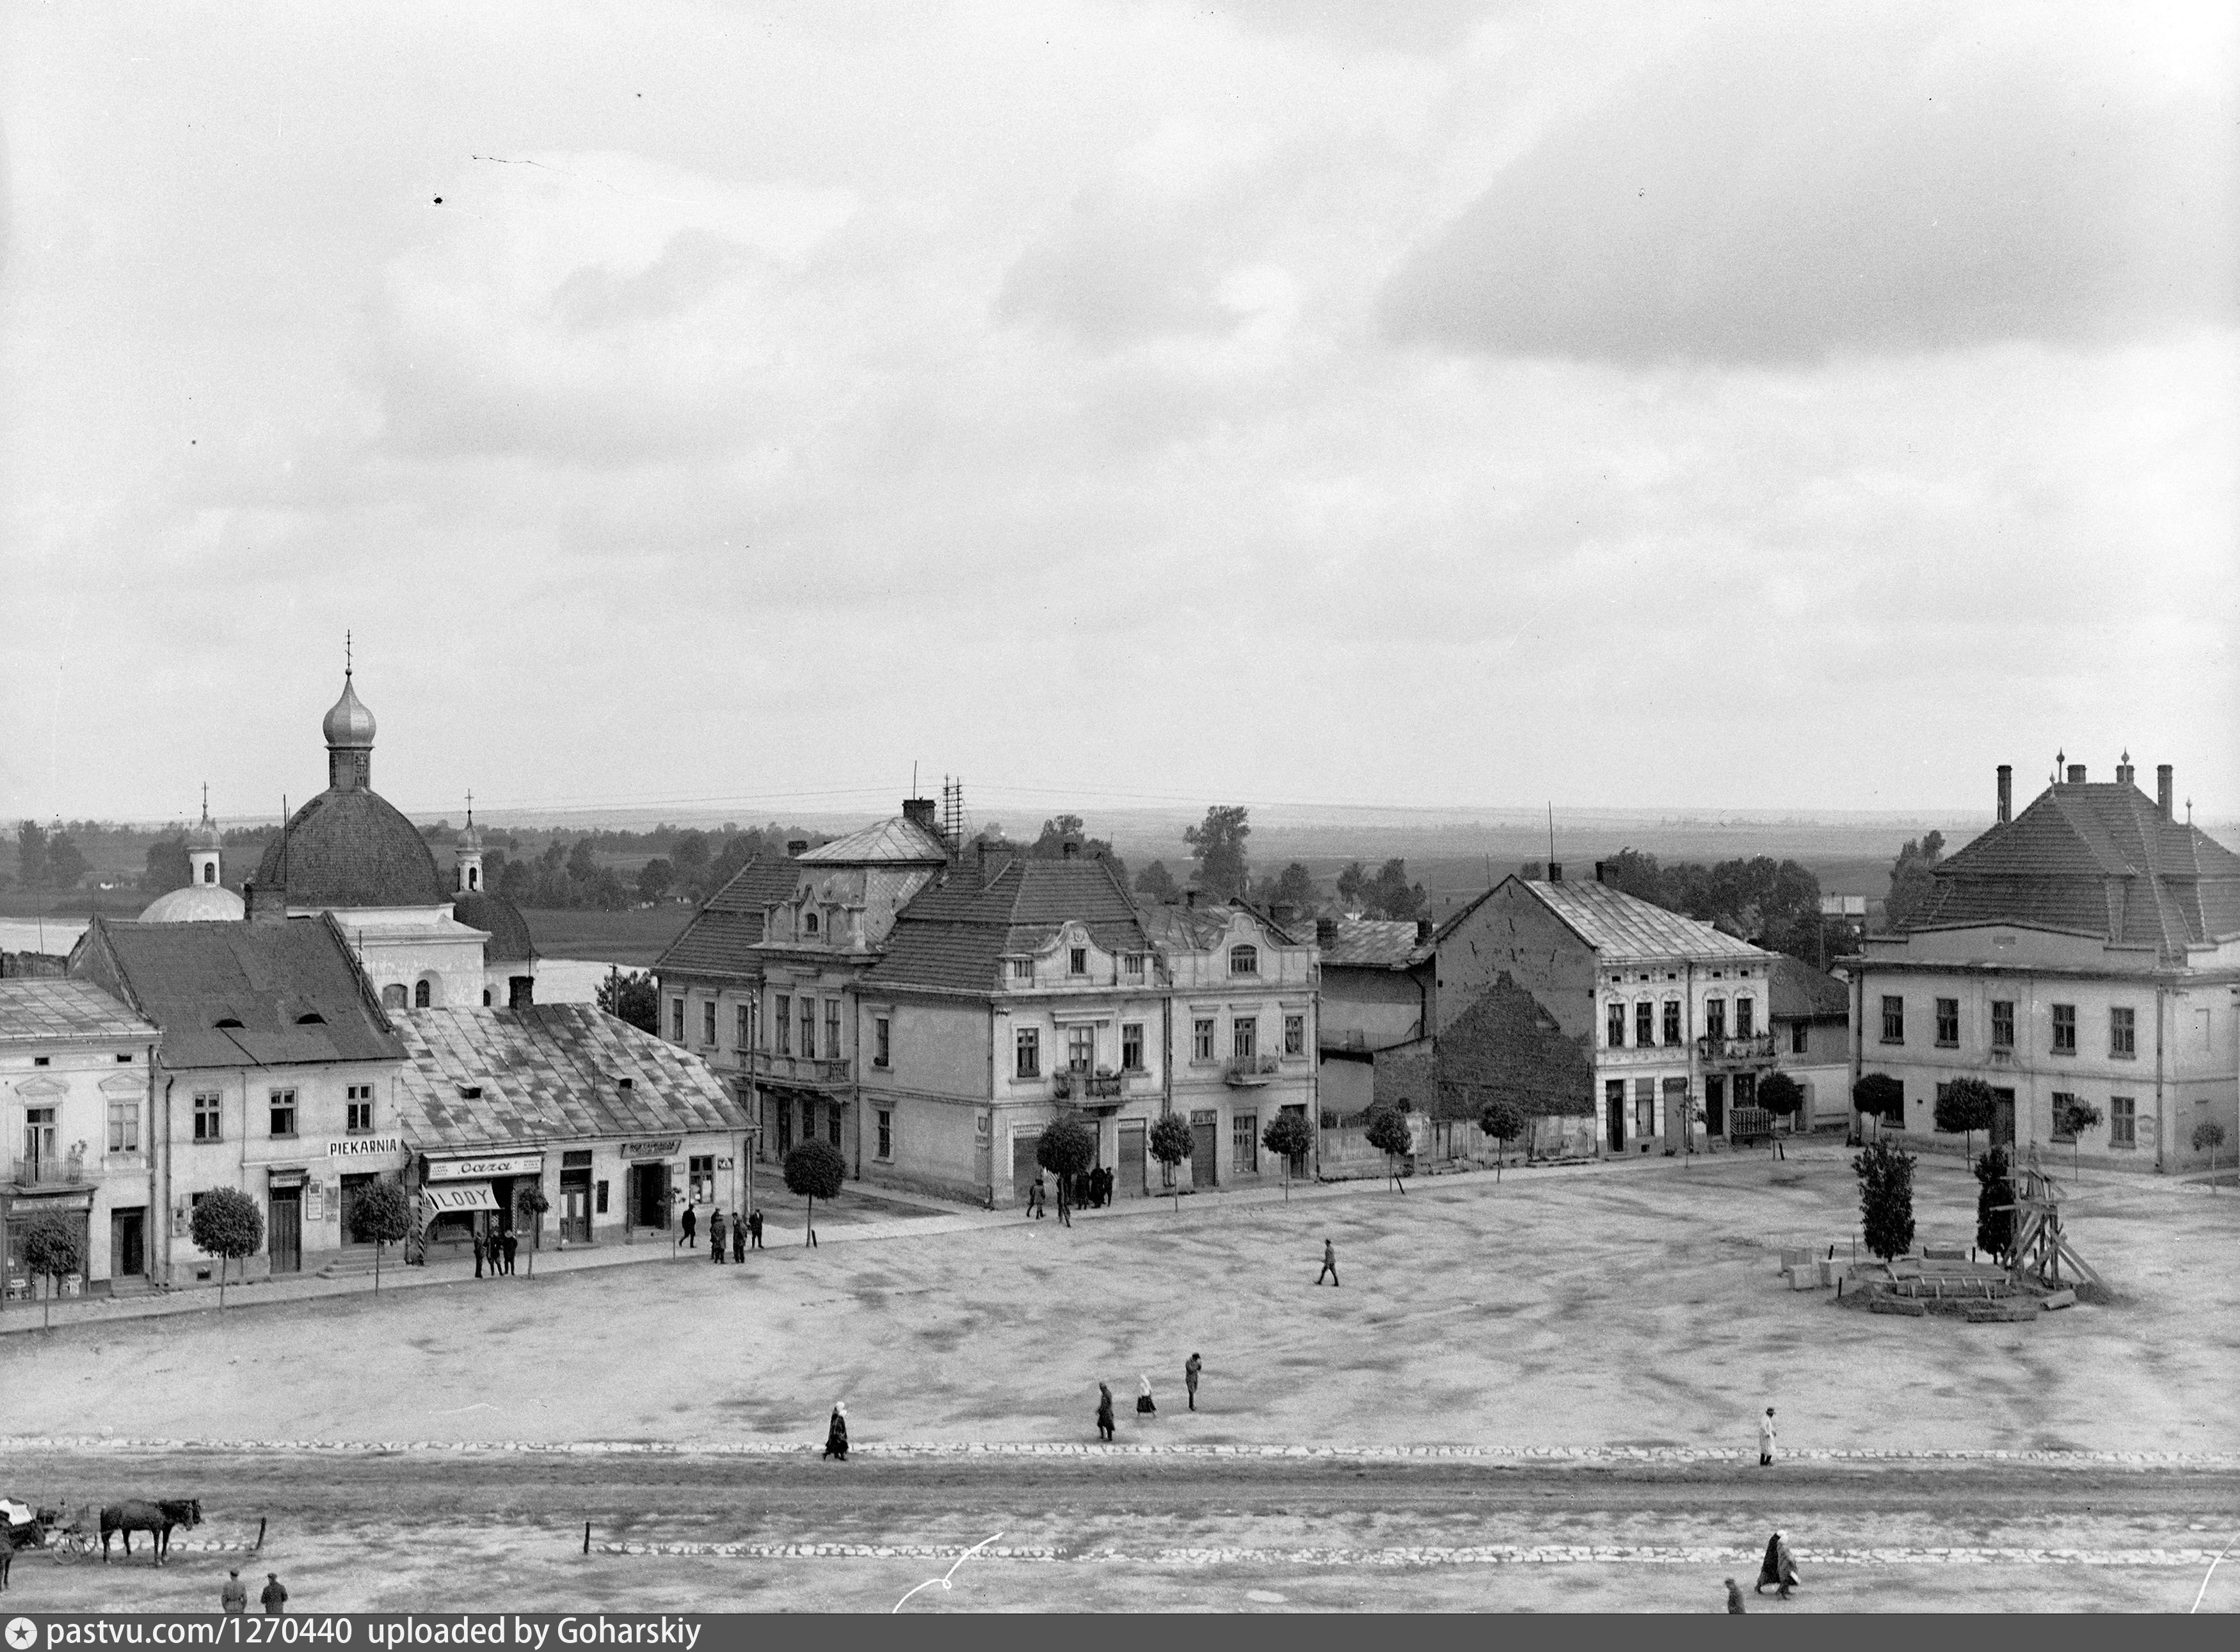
point(668, 1146)
point(476, 1170)
point(366, 1147)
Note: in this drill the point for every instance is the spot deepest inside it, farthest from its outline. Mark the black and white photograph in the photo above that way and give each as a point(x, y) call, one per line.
point(1116, 806)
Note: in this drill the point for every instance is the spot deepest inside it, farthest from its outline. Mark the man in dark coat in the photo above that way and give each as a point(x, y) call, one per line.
point(738, 1237)
point(715, 1238)
point(754, 1228)
point(1779, 1567)
point(477, 1237)
point(1104, 1412)
point(835, 1436)
point(274, 1597)
point(691, 1226)
point(512, 1242)
point(1191, 1369)
point(1735, 1596)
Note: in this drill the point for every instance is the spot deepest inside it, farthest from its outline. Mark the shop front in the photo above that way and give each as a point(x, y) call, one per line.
point(653, 1190)
point(468, 1195)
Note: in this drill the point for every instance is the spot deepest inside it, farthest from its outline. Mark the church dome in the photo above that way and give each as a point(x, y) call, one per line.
point(196, 903)
point(509, 940)
point(349, 725)
point(347, 849)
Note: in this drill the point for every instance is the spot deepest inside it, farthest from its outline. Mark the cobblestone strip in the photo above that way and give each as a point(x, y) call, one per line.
point(1486, 1554)
point(948, 1449)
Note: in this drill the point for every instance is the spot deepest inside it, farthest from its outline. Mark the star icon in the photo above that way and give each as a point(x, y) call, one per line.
point(22, 1634)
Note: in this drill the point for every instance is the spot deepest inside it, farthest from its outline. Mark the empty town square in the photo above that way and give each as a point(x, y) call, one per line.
point(1536, 1394)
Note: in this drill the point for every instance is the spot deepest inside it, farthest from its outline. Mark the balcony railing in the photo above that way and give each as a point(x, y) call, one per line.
point(1757, 1048)
point(1071, 1085)
point(53, 1173)
point(796, 1070)
point(1250, 1072)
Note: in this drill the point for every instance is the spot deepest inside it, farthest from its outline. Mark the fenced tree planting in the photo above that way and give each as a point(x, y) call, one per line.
point(1389, 1135)
point(382, 1217)
point(815, 1170)
point(530, 1204)
point(2207, 1136)
point(1886, 1173)
point(1171, 1143)
point(1963, 1107)
point(228, 1225)
point(2072, 1116)
point(1504, 1121)
point(1995, 1202)
point(52, 1252)
point(1288, 1136)
point(1879, 1096)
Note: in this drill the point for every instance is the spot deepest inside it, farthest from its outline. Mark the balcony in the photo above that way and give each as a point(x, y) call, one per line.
point(807, 1071)
point(49, 1173)
point(1073, 1085)
point(1735, 1052)
point(1250, 1072)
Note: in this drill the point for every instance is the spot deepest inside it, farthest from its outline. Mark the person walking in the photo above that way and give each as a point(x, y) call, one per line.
point(691, 1226)
point(1765, 1439)
point(715, 1238)
point(1104, 1423)
point(1034, 1199)
point(836, 1435)
point(274, 1597)
point(738, 1237)
point(1330, 1264)
point(1145, 1407)
point(233, 1599)
point(1191, 1367)
point(1779, 1567)
point(512, 1249)
point(1734, 1597)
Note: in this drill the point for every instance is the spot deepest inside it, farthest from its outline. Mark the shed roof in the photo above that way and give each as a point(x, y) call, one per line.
point(954, 934)
point(41, 1010)
point(548, 1072)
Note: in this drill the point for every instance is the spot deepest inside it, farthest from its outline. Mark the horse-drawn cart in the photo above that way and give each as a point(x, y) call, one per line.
point(67, 1535)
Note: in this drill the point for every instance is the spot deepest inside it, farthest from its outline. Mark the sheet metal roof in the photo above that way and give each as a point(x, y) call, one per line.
point(2093, 859)
point(891, 842)
point(721, 939)
point(548, 1072)
point(954, 932)
point(291, 992)
point(1620, 925)
point(1377, 944)
point(40, 1010)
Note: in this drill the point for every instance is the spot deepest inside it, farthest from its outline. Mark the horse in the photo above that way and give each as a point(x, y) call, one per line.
point(155, 1518)
point(31, 1534)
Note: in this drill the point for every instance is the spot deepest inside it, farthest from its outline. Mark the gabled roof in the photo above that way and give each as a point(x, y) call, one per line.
point(1803, 993)
point(1377, 944)
point(548, 1072)
point(722, 936)
point(897, 842)
point(287, 992)
point(40, 1011)
point(1619, 925)
point(954, 932)
point(2092, 859)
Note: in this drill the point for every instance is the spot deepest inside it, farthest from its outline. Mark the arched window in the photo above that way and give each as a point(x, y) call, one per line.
point(420, 995)
point(809, 923)
point(474, 878)
point(486, 997)
point(1244, 960)
point(392, 996)
point(210, 872)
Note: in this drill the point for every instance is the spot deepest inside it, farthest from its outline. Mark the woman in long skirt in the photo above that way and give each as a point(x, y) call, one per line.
point(1144, 1408)
point(836, 1438)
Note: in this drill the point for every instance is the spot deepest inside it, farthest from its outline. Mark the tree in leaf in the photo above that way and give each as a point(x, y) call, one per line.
point(1963, 1107)
point(31, 855)
point(1886, 1173)
point(167, 867)
point(1995, 1204)
point(1878, 1095)
point(1171, 1143)
point(1068, 1150)
point(2072, 1116)
point(1389, 1135)
point(1158, 882)
point(52, 1251)
point(65, 864)
point(655, 879)
point(381, 1216)
point(815, 1170)
point(2207, 1136)
point(530, 1204)
point(1294, 886)
point(633, 997)
point(1503, 1120)
point(1911, 884)
point(228, 1225)
point(1288, 1136)
point(1781, 1096)
point(1218, 846)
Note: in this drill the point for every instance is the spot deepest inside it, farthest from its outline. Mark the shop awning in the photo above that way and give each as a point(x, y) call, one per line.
point(459, 1197)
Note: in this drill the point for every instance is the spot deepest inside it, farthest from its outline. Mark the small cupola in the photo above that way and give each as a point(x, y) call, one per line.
point(467, 855)
point(203, 848)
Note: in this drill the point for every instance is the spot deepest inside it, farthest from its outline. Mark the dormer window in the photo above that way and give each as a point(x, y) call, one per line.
point(1132, 964)
point(1023, 970)
point(314, 1019)
point(809, 923)
point(1244, 960)
point(470, 1092)
point(227, 1020)
point(1077, 961)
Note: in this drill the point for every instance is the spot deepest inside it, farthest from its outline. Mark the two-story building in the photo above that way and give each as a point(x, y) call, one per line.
point(2088, 947)
point(1812, 1039)
point(76, 1065)
point(1675, 1012)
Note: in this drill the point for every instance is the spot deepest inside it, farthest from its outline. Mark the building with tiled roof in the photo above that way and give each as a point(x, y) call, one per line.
point(1672, 1012)
point(75, 1070)
point(2081, 958)
point(1812, 1038)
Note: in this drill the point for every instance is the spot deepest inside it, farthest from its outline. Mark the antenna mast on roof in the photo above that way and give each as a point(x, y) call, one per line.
point(952, 810)
point(1551, 832)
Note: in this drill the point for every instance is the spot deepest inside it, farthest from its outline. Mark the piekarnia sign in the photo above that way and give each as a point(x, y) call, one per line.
point(366, 1147)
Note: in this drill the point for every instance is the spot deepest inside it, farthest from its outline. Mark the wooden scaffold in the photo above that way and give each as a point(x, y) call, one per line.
point(2040, 1247)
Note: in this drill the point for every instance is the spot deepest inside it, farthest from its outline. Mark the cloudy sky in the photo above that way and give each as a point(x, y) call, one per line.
point(1664, 404)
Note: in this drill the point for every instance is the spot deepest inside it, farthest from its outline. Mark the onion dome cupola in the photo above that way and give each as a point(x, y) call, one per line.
point(205, 848)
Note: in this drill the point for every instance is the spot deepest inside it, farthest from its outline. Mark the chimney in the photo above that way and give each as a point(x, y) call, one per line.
point(1599, 867)
point(1555, 871)
point(919, 812)
point(1189, 899)
point(1423, 931)
point(2165, 787)
point(1325, 932)
point(2076, 774)
point(268, 904)
point(2006, 793)
point(797, 848)
point(521, 992)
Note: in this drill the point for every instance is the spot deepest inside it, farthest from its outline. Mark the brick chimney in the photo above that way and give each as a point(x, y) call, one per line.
point(2165, 787)
point(919, 812)
point(2123, 770)
point(1599, 866)
point(1325, 932)
point(1423, 931)
point(2006, 793)
point(797, 848)
point(1072, 850)
point(2076, 774)
point(1555, 871)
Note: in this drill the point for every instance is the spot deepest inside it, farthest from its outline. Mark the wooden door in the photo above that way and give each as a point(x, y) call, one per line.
point(1205, 1134)
point(287, 1231)
point(2003, 1118)
point(576, 1206)
point(1714, 1106)
point(1131, 1178)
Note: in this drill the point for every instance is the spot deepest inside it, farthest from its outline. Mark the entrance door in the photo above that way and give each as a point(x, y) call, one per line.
point(575, 1207)
point(1679, 1125)
point(1024, 1168)
point(1614, 1100)
point(1714, 1106)
point(2003, 1118)
point(1131, 1179)
point(649, 1192)
point(1205, 1132)
point(287, 1231)
point(353, 1189)
point(128, 1242)
point(783, 1109)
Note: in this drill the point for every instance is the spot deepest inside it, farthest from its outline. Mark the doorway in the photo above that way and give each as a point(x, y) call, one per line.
point(128, 1242)
point(1130, 1178)
point(1679, 1120)
point(1714, 1106)
point(287, 1230)
point(648, 1195)
point(353, 1189)
point(576, 1197)
point(1614, 1102)
point(1024, 1146)
point(1205, 1136)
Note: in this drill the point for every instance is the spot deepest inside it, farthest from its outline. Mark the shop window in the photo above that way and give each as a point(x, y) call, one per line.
point(701, 1177)
point(207, 1116)
point(1294, 1034)
point(284, 1112)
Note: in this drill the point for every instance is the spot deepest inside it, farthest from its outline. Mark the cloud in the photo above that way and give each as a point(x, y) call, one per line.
point(1787, 186)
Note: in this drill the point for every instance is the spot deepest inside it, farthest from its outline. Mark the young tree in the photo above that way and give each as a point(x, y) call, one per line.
point(1288, 1135)
point(2207, 1136)
point(1781, 1096)
point(1504, 1121)
point(1389, 1135)
point(2072, 1116)
point(1068, 1150)
point(632, 997)
point(815, 1170)
point(530, 1204)
point(1911, 884)
point(1218, 848)
point(1995, 1204)
point(52, 1251)
point(1963, 1107)
point(382, 1216)
point(1877, 1095)
point(1171, 1143)
point(1390, 894)
point(228, 1225)
point(1885, 1175)
point(1158, 882)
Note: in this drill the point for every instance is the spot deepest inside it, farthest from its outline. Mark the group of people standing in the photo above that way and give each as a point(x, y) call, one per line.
point(498, 1250)
point(1089, 1190)
point(1146, 1405)
point(742, 1234)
